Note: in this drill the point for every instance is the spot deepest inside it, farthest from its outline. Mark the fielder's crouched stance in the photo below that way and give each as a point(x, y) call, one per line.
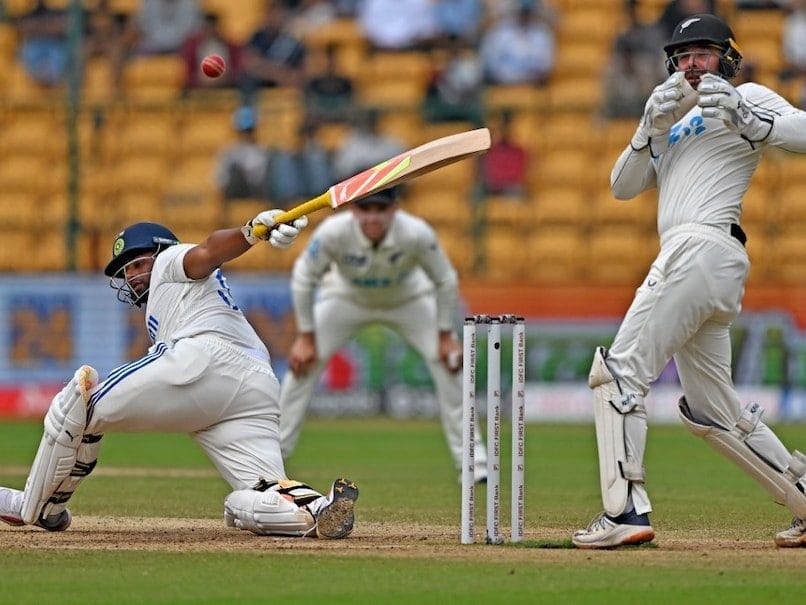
point(699, 142)
point(207, 374)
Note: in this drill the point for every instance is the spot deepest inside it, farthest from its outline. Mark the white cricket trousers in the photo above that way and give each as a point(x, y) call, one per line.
point(684, 309)
point(337, 320)
point(224, 397)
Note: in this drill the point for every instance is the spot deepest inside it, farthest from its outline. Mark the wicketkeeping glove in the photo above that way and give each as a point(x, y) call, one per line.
point(668, 102)
point(280, 237)
point(719, 99)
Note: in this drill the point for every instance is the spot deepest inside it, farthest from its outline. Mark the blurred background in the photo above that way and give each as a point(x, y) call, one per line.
point(106, 119)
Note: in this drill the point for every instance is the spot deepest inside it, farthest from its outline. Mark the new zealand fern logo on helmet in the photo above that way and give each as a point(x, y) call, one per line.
point(118, 246)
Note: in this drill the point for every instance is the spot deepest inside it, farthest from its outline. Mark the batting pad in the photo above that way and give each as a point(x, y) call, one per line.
point(620, 437)
point(266, 513)
point(64, 428)
point(786, 487)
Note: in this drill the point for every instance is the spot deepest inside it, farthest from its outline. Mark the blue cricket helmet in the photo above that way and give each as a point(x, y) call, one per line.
point(135, 240)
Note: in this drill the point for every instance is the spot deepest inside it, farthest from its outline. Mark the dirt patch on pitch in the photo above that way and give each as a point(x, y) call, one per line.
point(384, 539)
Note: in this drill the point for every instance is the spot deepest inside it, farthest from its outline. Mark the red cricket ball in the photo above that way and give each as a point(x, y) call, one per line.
point(213, 66)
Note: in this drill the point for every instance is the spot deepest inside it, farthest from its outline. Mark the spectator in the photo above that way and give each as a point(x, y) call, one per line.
point(456, 90)
point(519, 50)
point(162, 26)
point(314, 162)
point(637, 67)
point(397, 24)
point(294, 176)
point(241, 168)
point(43, 43)
point(273, 56)
point(329, 95)
point(364, 146)
point(207, 40)
point(793, 40)
point(504, 166)
point(311, 15)
point(458, 19)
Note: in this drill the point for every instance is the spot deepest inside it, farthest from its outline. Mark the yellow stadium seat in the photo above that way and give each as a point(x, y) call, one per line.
point(504, 258)
point(575, 92)
point(592, 23)
point(557, 254)
point(405, 125)
point(20, 209)
point(459, 247)
point(792, 207)
point(585, 57)
point(136, 206)
point(98, 81)
point(570, 130)
point(789, 265)
point(33, 131)
point(391, 93)
point(205, 132)
point(508, 211)
point(459, 177)
point(440, 206)
point(143, 132)
point(639, 212)
point(758, 206)
point(561, 204)
point(140, 173)
point(568, 167)
point(393, 66)
point(516, 96)
point(153, 77)
point(10, 257)
point(25, 173)
point(621, 255)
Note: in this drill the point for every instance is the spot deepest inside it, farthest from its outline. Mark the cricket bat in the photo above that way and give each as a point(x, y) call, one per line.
point(404, 167)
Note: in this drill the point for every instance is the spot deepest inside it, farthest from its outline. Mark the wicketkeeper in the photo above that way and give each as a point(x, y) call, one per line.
point(699, 142)
point(207, 374)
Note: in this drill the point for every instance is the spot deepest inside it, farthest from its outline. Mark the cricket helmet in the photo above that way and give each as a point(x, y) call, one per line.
point(705, 30)
point(135, 240)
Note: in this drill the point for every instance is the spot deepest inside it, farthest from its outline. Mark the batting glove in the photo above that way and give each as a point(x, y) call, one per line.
point(719, 99)
point(281, 236)
point(668, 102)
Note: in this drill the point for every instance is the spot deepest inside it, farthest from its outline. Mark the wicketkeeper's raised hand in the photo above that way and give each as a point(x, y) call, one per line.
point(668, 102)
point(719, 99)
point(281, 236)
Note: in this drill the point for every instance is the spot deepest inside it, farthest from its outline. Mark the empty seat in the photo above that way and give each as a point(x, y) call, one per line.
point(621, 255)
point(557, 254)
point(501, 210)
point(558, 205)
point(153, 77)
point(640, 212)
point(440, 206)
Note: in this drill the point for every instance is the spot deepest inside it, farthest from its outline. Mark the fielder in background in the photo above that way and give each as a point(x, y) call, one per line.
point(207, 374)
point(699, 142)
point(375, 264)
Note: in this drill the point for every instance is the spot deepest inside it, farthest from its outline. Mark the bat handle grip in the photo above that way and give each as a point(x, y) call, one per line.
point(292, 214)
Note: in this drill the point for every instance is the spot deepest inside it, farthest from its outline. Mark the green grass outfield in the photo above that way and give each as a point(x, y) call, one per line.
point(148, 527)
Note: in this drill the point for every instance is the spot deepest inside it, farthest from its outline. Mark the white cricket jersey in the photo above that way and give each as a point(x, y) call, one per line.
point(180, 307)
point(408, 263)
point(706, 170)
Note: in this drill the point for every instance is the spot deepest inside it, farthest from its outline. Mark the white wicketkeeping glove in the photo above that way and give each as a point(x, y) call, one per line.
point(280, 237)
point(667, 104)
point(719, 99)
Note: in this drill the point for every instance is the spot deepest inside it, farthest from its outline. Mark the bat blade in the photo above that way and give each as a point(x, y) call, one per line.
point(399, 169)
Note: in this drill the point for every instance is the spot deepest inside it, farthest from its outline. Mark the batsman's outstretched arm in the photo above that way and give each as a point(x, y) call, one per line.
point(227, 244)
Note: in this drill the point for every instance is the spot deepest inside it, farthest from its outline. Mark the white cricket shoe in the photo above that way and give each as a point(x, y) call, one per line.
point(608, 532)
point(794, 536)
point(335, 519)
point(11, 512)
